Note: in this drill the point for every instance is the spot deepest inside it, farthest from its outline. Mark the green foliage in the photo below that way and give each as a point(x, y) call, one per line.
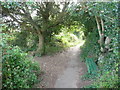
point(108, 61)
point(107, 80)
point(69, 36)
point(19, 71)
point(88, 76)
point(21, 39)
point(25, 40)
point(60, 42)
point(68, 39)
point(59, 30)
point(80, 14)
point(52, 49)
point(90, 47)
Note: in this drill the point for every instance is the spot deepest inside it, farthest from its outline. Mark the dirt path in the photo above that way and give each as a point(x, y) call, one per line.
point(63, 70)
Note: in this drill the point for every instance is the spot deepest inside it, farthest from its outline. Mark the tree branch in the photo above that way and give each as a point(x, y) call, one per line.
point(102, 24)
point(98, 26)
point(65, 6)
point(29, 18)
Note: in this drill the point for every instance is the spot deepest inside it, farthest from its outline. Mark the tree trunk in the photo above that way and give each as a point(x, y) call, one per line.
point(101, 32)
point(40, 44)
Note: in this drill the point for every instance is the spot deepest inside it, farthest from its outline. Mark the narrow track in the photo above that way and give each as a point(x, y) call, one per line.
point(63, 70)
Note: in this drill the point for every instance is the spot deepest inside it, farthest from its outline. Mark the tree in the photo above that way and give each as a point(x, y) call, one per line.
point(48, 15)
point(97, 15)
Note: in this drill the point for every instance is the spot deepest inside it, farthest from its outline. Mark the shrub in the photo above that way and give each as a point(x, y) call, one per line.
point(18, 70)
point(90, 47)
point(107, 80)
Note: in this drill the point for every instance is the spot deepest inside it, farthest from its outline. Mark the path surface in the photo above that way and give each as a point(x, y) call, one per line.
point(63, 70)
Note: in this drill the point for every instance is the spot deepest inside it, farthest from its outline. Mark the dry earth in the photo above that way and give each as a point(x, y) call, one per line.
point(63, 70)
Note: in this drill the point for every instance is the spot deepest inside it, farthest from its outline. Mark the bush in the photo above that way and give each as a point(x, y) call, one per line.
point(107, 80)
point(90, 47)
point(108, 65)
point(50, 50)
point(18, 70)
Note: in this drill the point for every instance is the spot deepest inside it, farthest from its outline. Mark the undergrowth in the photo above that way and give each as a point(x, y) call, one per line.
point(18, 70)
point(107, 74)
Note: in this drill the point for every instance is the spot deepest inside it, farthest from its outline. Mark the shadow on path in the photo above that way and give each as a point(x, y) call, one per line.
point(63, 70)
